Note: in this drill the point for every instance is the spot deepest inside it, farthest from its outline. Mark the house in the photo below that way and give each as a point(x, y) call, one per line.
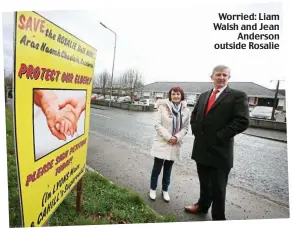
point(257, 94)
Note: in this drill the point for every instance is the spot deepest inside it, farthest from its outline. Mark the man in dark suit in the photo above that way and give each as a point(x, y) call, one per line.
point(218, 116)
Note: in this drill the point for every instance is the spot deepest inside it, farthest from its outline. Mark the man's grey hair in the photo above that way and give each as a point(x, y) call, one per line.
point(220, 68)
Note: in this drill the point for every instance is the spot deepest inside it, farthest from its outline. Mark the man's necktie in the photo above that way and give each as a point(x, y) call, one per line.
point(211, 100)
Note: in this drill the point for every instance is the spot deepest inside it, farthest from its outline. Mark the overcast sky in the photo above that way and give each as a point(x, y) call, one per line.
point(165, 44)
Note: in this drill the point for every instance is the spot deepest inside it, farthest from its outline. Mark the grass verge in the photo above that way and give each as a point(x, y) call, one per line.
point(104, 203)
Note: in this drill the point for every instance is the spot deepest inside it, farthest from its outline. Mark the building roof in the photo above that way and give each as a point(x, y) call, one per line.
point(280, 92)
point(250, 88)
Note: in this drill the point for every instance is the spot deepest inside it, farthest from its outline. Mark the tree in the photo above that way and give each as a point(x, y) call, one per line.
point(132, 80)
point(103, 81)
point(7, 83)
point(95, 82)
point(116, 86)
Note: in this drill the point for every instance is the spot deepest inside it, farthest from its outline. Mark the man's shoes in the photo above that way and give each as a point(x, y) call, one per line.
point(152, 194)
point(165, 196)
point(195, 209)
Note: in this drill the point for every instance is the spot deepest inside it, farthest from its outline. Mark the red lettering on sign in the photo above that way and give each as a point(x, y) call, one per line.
point(35, 73)
point(21, 20)
point(22, 70)
point(32, 24)
point(39, 172)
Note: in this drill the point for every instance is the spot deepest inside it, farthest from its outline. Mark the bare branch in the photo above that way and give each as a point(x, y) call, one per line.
point(132, 80)
point(103, 81)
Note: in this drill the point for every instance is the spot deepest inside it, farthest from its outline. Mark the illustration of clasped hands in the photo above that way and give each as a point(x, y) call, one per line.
point(62, 116)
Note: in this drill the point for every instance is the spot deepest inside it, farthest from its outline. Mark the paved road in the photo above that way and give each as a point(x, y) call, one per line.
point(119, 145)
point(267, 134)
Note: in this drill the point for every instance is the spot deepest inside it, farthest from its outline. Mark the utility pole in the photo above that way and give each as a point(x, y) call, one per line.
point(275, 99)
point(113, 61)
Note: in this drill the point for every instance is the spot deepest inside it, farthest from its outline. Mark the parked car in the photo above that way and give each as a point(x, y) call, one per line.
point(107, 98)
point(143, 102)
point(100, 98)
point(147, 102)
point(137, 99)
point(191, 101)
point(250, 108)
point(125, 99)
point(93, 96)
point(262, 112)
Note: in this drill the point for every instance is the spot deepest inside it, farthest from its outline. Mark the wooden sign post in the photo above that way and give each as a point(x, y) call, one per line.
point(79, 197)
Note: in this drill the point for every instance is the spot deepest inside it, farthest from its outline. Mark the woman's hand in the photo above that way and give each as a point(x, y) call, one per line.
point(79, 105)
point(49, 102)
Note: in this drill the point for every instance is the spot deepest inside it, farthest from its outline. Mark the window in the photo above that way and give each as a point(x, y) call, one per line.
point(251, 101)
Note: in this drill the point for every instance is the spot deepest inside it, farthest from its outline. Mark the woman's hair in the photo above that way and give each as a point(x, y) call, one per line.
point(176, 89)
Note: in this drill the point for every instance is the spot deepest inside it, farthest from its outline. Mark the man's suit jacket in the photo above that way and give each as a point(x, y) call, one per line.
point(214, 133)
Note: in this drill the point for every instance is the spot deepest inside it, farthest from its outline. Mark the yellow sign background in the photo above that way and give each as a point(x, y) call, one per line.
point(40, 199)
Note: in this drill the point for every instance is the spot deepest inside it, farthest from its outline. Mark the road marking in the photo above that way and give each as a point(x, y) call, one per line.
point(95, 114)
point(146, 125)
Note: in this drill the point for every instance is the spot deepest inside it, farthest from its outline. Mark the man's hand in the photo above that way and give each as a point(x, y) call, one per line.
point(173, 140)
